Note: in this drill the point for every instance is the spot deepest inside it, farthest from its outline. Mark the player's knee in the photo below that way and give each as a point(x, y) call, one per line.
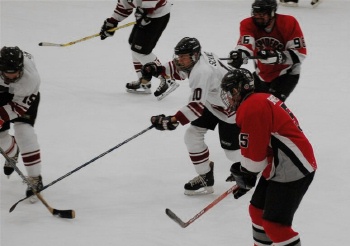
point(26, 137)
point(194, 135)
point(280, 233)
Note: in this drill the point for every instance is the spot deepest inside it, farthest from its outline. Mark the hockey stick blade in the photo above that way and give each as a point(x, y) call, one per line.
point(50, 44)
point(66, 214)
point(175, 218)
point(61, 213)
point(14, 205)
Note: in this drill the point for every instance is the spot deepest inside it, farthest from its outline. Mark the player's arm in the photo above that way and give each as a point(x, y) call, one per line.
point(245, 46)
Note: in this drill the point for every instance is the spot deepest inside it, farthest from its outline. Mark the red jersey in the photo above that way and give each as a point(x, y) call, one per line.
point(267, 124)
point(285, 35)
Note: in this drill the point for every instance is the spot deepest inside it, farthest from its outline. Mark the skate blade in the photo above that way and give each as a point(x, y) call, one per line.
point(200, 192)
point(166, 93)
point(138, 92)
point(289, 4)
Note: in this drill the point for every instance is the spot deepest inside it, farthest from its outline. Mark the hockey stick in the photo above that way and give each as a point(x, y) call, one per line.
point(85, 164)
point(86, 38)
point(67, 214)
point(175, 218)
point(249, 57)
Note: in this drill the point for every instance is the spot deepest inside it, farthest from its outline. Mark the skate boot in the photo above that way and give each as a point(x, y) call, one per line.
point(165, 87)
point(314, 3)
point(37, 184)
point(138, 87)
point(289, 3)
point(202, 184)
point(8, 169)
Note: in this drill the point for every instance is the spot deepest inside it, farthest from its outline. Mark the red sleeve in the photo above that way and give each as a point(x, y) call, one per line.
point(254, 117)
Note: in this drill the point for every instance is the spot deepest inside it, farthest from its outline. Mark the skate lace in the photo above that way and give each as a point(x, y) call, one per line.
point(198, 180)
point(171, 82)
point(34, 181)
point(162, 84)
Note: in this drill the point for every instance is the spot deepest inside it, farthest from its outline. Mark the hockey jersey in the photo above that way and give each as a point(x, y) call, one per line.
point(286, 35)
point(24, 91)
point(153, 8)
point(204, 82)
point(268, 128)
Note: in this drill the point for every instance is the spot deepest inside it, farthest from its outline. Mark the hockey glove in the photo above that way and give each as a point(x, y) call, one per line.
point(151, 69)
point(162, 122)
point(107, 25)
point(244, 179)
point(141, 17)
point(238, 57)
point(271, 57)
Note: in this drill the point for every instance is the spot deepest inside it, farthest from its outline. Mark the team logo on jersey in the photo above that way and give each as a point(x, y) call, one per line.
point(269, 43)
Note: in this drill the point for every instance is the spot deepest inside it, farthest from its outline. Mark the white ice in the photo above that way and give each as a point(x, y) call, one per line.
point(120, 199)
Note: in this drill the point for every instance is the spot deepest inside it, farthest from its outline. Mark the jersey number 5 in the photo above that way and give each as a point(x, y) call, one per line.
point(243, 140)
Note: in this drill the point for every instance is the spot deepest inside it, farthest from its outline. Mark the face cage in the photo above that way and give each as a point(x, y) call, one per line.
point(227, 98)
point(8, 80)
point(270, 13)
point(187, 69)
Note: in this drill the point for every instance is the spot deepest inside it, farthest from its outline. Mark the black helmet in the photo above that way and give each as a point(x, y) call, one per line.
point(264, 6)
point(236, 85)
point(11, 59)
point(190, 46)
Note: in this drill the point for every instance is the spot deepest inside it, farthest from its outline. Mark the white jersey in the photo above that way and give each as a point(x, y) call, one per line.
point(24, 91)
point(153, 8)
point(204, 81)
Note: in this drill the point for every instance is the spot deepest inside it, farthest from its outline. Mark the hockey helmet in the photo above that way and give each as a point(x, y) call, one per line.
point(187, 46)
point(236, 85)
point(11, 62)
point(268, 7)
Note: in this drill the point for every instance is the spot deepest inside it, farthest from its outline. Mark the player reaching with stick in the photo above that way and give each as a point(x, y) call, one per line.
point(279, 42)
point(19, 102)
point(204, 111)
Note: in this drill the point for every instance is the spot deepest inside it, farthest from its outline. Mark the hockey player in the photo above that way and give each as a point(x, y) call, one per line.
point(151, 20)
point(272, 143)
point(19, 101)
point(279, 42)
point(204, 111)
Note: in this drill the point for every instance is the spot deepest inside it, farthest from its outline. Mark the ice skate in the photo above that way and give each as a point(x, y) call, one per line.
point(8, 169)
point(315, 3)
point(165, 87)
point(37, 184)
point(289, 3)
point(139, 88)
point(202, 184)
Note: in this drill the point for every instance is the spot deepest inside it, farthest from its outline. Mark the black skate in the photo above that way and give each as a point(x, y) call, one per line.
point(138, 87)
point(37, 184)
point(315, 3)
point(165, 87)
point(8, 169)
point(202, 184)
point(289, 3)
